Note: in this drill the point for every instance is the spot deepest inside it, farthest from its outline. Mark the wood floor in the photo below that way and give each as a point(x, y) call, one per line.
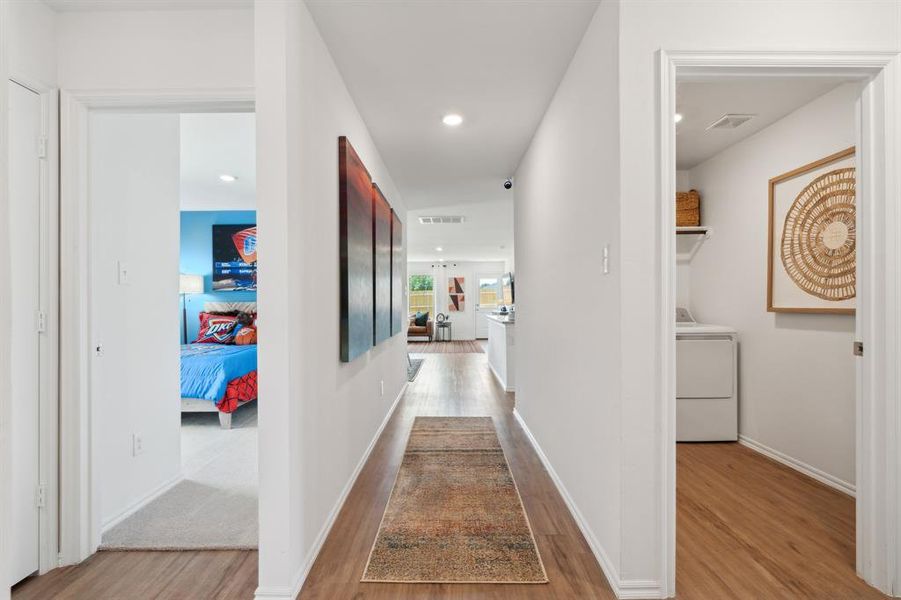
point(455, 385)
point(748, 528)
point(207, 575)
point(458, 347)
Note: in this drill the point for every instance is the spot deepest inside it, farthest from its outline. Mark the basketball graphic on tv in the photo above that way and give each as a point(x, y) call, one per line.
point(234, 257)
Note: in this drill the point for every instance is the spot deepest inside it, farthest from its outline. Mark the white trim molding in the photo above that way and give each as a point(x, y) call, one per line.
point(141, 502)
point(799, 466)
point(878, 317)
point(623, 588)
point(291, 592)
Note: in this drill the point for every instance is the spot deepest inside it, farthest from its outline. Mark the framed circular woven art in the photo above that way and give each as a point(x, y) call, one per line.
point(817, 241)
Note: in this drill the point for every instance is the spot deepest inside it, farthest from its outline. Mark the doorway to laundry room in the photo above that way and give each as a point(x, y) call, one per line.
point(766, 385)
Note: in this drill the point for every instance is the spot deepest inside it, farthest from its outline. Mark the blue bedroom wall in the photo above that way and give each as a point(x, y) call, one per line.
point(197, 258)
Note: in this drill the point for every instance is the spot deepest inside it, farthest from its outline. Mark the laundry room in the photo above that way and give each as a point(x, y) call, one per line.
point(765, 296)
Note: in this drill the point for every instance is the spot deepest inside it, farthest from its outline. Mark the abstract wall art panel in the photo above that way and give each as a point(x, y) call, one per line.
point(812, 254)
point(455, 291)
point(381, 228)
point(398, 264)
point(356, 253)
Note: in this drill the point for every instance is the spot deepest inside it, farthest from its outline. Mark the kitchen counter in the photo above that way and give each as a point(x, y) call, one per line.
point(501, 348)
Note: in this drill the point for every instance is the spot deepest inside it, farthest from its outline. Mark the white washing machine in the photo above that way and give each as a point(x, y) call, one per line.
point(706, 381)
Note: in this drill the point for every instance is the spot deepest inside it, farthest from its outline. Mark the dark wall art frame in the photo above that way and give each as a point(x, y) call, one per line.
point(372, 259)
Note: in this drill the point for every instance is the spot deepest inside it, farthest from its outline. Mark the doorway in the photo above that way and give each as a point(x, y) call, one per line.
point(127, 273)
point(34, 330)
point(874, 137)
point(489, 299)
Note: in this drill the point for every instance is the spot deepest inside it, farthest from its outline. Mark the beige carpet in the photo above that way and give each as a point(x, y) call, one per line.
point(455, 514)
point(215, 506)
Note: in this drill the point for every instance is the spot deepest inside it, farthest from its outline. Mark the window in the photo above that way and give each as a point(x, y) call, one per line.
point(422, 294)
point(488, 293)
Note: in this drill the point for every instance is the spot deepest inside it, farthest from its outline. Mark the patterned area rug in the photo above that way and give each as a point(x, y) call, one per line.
point(413, 368)
point(455, 514)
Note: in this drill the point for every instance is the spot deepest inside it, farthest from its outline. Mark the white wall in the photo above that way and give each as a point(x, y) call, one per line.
point(797, 384)
point(597, 411)
point(464, 327)
point(134, 186)
point(148, 50)
point(320, 414)
point(646, 27)
point(566, 209)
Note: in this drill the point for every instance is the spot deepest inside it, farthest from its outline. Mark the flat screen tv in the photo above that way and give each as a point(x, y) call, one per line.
point(508, 288)
point(234, 257)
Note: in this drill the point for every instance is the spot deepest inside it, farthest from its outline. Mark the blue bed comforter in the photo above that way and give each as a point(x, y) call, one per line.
point(206, 369)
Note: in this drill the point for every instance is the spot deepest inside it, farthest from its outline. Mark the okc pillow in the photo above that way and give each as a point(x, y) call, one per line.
point(217, 329)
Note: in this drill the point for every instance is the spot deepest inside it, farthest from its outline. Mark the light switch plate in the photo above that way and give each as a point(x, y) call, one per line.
point(123, 273)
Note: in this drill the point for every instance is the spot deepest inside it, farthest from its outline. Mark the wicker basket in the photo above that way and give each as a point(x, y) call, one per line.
point(688, 209)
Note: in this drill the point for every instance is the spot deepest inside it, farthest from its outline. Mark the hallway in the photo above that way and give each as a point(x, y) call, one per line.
point(455, 385)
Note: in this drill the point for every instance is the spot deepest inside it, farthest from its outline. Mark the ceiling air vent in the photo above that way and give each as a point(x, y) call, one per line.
point(441, 220)
point(730, 121)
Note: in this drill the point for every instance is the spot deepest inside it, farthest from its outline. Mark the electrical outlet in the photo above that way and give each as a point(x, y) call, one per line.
point(382, 387)
point(137, 444)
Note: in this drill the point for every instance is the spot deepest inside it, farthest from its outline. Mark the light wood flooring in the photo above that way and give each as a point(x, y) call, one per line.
point(748, 528)
point(458, 347)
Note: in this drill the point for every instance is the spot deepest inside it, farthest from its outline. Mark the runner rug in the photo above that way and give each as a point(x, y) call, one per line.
point(455, 514)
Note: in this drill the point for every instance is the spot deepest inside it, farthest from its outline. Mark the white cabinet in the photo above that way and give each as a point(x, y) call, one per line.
point(501, 342)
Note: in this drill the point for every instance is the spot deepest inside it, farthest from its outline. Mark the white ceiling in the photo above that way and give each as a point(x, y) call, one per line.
point(214, 144)
point(486, 234)
point(702, 102)
point(407, 63)
point(75, 5)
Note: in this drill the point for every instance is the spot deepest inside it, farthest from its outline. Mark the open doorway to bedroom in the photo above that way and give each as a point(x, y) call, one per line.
point(173, 315)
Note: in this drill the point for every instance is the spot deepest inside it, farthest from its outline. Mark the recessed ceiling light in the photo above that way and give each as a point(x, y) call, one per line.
point(228, 178)
point(439, 249)
point(452, 120)
point(677, 117)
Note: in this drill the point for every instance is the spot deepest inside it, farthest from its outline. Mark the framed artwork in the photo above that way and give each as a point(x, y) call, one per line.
point(812, 253)
point(356, 243)
point(398, 267)
point(456, 293)
point(382, 223)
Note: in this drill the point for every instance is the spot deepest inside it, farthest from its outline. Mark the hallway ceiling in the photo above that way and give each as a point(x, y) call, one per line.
point(485, 234)
point(408, 63)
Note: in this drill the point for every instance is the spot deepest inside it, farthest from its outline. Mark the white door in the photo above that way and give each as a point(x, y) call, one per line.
point(487, 301)
point(25, 243)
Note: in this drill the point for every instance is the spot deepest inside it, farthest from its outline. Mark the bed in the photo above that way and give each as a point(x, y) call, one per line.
point(218, 377)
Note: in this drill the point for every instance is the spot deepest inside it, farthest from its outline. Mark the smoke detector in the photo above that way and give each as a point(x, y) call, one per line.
point(441, 220)
point(730, 121)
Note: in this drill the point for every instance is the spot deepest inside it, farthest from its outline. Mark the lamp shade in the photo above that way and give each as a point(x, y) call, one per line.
point(190, 284)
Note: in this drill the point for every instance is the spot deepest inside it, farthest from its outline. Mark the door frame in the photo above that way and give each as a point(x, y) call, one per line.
point(79, 518)
point(878, 317)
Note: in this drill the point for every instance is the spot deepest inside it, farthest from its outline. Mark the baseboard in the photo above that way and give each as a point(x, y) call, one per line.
point(290, 593)
point(802, 467)
point(138, 505)
point(623, 588)
point(504, 386)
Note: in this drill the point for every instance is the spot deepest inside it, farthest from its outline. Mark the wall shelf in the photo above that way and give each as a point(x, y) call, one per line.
point(701, 230)
point(689, 240)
